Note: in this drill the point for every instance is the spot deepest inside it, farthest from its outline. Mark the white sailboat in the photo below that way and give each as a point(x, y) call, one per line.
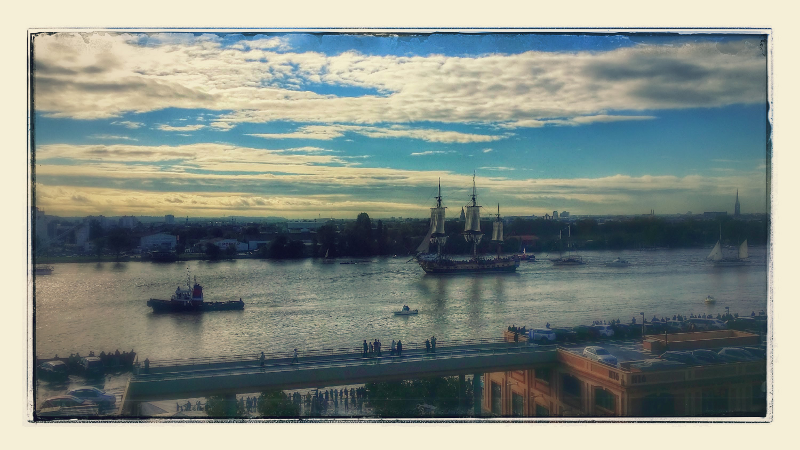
point(718, 258)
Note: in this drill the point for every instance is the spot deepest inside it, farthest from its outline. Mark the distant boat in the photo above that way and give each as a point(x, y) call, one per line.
point(570, 259)
point(710, 299)
point(619, 262)
point(718, 258)
point(191, 300)
point(406, 311)
point(42, 269)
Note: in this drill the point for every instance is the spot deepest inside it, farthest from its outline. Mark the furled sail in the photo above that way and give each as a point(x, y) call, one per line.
point(437, 221)
point(716, 253)
point(497, 231)
point(473, 216)
point(743, 250)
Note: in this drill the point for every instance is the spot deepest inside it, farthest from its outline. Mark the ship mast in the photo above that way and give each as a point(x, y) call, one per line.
point(438, 235)
point(472, 226)
point(497, 231)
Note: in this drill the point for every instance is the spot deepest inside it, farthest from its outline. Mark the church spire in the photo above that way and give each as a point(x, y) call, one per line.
point(737, 206)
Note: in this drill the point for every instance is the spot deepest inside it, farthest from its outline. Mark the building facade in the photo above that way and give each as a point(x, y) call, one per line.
point(160, 241)
point(577, 386)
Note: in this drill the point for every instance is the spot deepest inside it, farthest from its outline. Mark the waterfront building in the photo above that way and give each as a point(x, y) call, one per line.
point(577, 386)
point(564, 214)
point(169, 219)
point(160, 241)
point(128, 222)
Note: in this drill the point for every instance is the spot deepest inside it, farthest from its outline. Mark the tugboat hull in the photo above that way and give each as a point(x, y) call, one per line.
point(178, 306)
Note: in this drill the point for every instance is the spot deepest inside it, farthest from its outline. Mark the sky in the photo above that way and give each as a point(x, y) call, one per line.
point(305, 125)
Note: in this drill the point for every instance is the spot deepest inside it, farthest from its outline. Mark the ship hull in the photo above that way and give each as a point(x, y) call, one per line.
point(450, 266)
point(179, 306)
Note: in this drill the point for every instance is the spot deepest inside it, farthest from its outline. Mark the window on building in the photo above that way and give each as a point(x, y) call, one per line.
point(516, 405)
point(715, 401)
point(658, 405)
point(571, 386)
point(605, 399)
point(542, 411)
point(496, 398)
point(543, 374)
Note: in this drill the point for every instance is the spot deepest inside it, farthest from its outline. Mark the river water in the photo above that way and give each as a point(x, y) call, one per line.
point(306, 304)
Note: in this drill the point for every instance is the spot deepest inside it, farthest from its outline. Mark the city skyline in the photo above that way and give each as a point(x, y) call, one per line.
point(300, 125)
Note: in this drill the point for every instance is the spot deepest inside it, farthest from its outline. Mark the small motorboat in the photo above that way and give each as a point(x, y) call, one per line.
point(619, 262)
point(406, 311)
point(710, 299)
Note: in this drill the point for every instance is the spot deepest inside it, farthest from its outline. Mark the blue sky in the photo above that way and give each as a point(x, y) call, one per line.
point(300, 125)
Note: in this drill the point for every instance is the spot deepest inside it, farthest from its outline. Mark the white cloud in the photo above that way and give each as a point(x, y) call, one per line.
point(112, 137)
point(128, 124)
point(183, 128)
point(328, 132)
point(99, 75)
point(223, 126)
point(432, 152)
point(498, 168)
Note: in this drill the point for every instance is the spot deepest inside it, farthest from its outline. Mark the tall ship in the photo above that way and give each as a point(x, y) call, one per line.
point(439, 263)
point(719, 259)
point(570, 259)
point(191, 300)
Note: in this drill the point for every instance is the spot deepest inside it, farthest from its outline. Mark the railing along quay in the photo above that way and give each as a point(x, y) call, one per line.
point(311, 353)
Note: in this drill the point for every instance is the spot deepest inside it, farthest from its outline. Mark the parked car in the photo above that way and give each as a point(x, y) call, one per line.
point(93, 394)
point(757, 352)
point(600, 355)
point(92, 366)
point(621, 329)
point(675, 326)
point(602, 330)
point(734, 354)
point(684, 357)
point(581, 332)
point(708, 356)
point(65, 401)
point(542, 335)
point(706, 324)
point(565, 334)
point(54, 370)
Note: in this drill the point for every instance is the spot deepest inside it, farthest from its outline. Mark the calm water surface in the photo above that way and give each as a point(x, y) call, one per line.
point(308, 304)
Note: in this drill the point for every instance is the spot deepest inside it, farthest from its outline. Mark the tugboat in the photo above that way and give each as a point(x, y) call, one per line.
point(42, 269)
point(191, 300)
point(406, 311)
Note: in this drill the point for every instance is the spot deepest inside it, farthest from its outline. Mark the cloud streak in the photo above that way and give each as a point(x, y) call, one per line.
point(101, 75)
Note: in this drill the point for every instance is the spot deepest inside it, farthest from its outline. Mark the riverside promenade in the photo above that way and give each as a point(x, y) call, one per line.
point(200, 377)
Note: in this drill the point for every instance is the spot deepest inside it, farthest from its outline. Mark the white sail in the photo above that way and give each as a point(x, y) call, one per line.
point(473, 216)
point(743, 250)
point(716, 253)
point(437, 220)
point(426, 243)
point(497, 231)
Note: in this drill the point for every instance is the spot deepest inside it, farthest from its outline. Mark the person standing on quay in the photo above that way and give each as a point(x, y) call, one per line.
point(365, 348)
point(433, 344)
point(394, 347)
point(371, 348)
point(261, 358)
point(294, 358)
point(427, 345)
point(399, 348)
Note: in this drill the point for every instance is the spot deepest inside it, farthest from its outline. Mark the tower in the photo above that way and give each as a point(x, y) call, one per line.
point(737, 207)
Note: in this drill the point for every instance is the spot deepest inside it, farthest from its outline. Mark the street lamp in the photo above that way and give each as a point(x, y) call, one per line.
point(642, 325)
